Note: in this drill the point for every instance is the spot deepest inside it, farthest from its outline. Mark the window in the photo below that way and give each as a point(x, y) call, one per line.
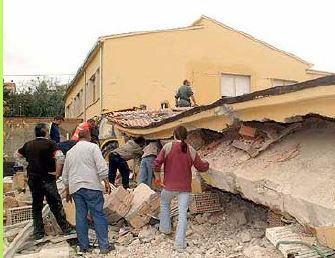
point(234, 85)
point(93, 88)
point(277, 82)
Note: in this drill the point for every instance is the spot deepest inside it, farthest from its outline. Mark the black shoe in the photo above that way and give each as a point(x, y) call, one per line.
point(39, 236)
point(84, 251)
point(106, 251)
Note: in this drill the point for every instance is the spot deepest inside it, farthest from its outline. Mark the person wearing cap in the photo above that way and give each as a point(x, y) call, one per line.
point(90, 125)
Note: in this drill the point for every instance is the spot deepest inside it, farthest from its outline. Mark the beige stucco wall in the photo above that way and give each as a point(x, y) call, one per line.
point(148, 68)
point(92, 109)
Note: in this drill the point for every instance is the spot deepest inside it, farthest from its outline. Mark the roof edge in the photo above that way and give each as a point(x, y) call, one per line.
point(101, 39)
point(136, 33)
point(80, 70)
point(274, 91)
point(252, 38)
point(313, 71)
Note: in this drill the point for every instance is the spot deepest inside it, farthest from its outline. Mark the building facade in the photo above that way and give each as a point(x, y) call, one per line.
point(146, 68)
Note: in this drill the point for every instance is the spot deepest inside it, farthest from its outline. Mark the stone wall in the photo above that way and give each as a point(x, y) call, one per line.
point(18, 130)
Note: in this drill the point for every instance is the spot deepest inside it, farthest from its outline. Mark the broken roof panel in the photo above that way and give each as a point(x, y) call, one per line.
point(139, 118)
point(151, 119)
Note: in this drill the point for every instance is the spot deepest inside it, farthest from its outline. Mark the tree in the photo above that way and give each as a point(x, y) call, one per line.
point(43, 98)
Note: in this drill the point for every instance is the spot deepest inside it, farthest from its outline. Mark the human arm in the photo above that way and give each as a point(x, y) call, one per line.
point(100, 163)
point(159, 161)
point(65, 179)
point(199, 164)
point(193, 100)
point(60, 159)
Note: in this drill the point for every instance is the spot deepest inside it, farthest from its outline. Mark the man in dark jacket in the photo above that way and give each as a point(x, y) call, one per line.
point(54, 130)
point(44, 159)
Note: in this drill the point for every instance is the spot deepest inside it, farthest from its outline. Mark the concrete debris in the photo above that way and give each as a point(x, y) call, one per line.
point(205, 202)
point(214, 235)
point(20, 181)
point(118, 201)
point(247, 131)
point(326, 236)
point(282, 161)
point(61, 250)
point(292, 242)
point(145, 203)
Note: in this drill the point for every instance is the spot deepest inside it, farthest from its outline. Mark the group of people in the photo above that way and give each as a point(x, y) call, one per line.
point(86, 176)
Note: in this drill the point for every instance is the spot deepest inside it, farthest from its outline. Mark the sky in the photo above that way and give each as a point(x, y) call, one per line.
point(53, 37)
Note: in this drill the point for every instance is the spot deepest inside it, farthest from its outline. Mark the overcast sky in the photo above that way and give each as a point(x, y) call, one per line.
point(54, 37)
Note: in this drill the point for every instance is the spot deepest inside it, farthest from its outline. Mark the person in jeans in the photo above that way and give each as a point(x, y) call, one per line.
point(178, 158)
point(147, 163)
point(44, 159)
point(84, 170)
point(119, 157)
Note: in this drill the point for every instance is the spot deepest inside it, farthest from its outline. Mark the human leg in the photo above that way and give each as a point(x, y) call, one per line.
point(37, 193)
point(95, 202)
point(165, 219)
point(183, 202)
point(81, 219)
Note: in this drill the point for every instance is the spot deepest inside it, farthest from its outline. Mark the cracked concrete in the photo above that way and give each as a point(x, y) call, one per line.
point(302, 185)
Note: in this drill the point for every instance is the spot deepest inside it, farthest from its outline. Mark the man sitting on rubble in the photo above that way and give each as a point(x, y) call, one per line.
point(185, 95)
point(119, 157)
point(84, 170)
point(43, 161)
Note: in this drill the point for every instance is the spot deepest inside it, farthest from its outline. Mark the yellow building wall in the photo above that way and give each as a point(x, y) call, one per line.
point(92, 109)
point(148, 68)
point(72, 94)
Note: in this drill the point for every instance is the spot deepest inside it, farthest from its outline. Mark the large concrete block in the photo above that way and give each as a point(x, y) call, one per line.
point(118, 201)
point(144, 204)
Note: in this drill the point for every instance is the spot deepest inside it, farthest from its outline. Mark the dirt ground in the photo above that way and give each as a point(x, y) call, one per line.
point(236, 231)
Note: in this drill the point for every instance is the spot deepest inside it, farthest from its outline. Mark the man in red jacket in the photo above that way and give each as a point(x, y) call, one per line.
point(178, 158)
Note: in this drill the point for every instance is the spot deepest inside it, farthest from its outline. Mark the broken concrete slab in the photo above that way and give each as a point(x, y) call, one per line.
point(20, 180)
point(145, 203)
point(326, 236)
point(119, 201)
point(292, 242)
point(300, 185)
point(61, 250)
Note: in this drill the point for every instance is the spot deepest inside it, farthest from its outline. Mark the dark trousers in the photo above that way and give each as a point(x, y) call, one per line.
point(46, 188)
point(116, 162)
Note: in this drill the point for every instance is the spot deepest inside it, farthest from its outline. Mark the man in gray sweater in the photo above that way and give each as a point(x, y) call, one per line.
point(84, 170)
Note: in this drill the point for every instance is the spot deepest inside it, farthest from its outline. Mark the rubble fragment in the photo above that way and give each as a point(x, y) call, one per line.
point(145, 203)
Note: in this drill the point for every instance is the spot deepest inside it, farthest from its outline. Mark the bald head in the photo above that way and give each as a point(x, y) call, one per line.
point(84, 135)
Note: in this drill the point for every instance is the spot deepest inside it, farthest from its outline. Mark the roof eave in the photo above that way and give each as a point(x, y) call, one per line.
point(81, 69)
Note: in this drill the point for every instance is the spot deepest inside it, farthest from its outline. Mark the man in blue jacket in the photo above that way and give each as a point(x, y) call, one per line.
point(54, 130)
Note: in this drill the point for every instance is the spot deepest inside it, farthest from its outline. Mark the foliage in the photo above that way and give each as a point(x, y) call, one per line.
point(43, 98)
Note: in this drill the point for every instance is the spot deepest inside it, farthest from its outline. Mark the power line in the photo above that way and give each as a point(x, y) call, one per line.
point(47, 74)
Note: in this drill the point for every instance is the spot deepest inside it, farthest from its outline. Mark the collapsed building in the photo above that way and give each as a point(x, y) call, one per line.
point(274, 147)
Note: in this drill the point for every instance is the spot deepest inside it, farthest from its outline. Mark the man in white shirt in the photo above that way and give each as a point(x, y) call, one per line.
point(84, 170)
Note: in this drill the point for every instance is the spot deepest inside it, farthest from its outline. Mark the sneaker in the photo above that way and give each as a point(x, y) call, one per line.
point(81, 251)
point(106, 251)
point(70, 231)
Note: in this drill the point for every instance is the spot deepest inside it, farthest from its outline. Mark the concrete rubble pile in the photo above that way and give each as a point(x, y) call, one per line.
point(286, 167)
point(237, 230)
